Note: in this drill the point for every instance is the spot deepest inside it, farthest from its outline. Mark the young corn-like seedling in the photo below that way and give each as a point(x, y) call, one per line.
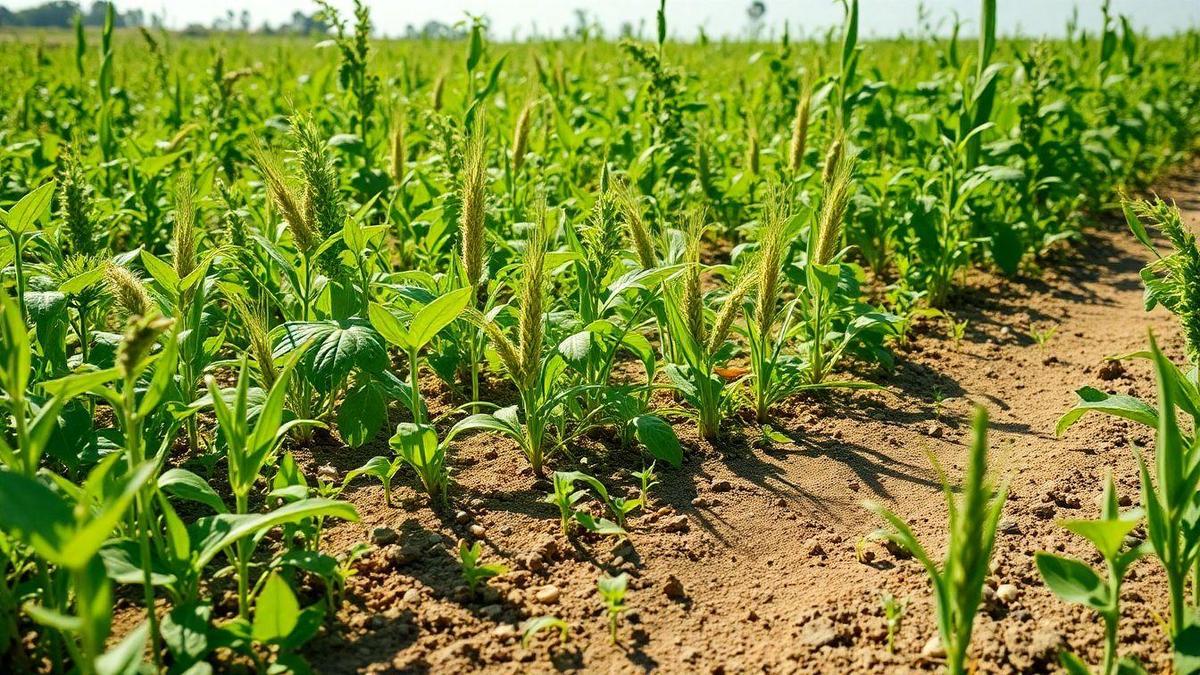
point(537, 624)
point(1169, 497)
point(250, 445)
point(473, 572)
point(958, 581)
point(1075, 581)
point(612, 591)
point(893, 613)
point(417, 446)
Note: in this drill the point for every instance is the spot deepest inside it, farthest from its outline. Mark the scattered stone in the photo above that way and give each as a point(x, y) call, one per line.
point(412, 596)
point(1007, 593)
point(933, 648)
point(548, 595)
point(401, 555)
point(933, 430)
point(721, 486)
point(816, 550)
point(384, 536)
point(699, 502)
point(673, 588)
point(504, 631)
point(818, 633)
point(491, 611)
point(328, 473)
point(1009, 526)
point(478, 531)
point(462, 517)
point(1044, 511)
point(676, 524)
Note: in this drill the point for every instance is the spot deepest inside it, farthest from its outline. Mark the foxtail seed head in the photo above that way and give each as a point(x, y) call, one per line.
point(286, 200)
point(770, 260)
point(729, 310)
point(533, 298)
point(635, 225)
point(398, 149)
point(128, 290)
point(800, 132)
point(474, 205)
point(141, 332)
point(833, 212)
point(521, 137)
point(184, 235)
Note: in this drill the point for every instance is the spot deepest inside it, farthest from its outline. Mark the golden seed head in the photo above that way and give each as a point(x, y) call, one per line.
point(533, 298)
point(521, 136)
point(474, 205)
point(833, 211)
point(128, 290)
point(141, 332)
point(184, 236)
point(800, 132)
point(635, 224)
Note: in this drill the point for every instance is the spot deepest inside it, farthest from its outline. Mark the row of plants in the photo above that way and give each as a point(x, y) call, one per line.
point(211, 270)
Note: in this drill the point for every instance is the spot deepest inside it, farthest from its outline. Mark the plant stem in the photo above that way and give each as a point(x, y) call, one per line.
point(414, 383)
point(243, 562)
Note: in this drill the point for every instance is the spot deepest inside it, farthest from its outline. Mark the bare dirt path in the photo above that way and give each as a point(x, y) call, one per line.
point(749, 560)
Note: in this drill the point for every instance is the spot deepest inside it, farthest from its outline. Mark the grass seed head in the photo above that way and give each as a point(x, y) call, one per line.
point(128, 290)
point(75, 199)
point(474, 205)
point(184, 235)
point(833, 210)
point(533, 298)
point(141, 332)
point(284, 196)
point(635, 224)
point(398, 149)
point(521, 136)
point(800, 131)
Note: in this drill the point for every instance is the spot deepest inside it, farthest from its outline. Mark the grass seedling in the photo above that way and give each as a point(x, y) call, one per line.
point(537, 624)
point(1041, 336)
point(473, 572)
point(612, 591)
point(1169, 497)
point(1075, 581)
point(958, 581)
point(893, 613)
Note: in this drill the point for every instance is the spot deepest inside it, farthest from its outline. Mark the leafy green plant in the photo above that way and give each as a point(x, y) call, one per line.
point(1075, 581)
point(474, 572)
point(417, 446)
point(958, 581)
point(612, 591)
point(250, 445)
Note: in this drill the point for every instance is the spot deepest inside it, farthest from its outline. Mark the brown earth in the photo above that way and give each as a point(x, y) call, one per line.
point(754, 560)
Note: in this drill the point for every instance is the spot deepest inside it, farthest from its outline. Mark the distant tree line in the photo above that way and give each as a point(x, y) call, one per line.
point(61, 14)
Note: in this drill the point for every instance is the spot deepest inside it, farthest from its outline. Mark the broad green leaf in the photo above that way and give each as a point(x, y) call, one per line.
point(659, 439)
point(184, 484)
point(23, 217)
point(275, 610)
point(362, 414)
point(435, 316)
point(1072, 580)
point(1118, 405)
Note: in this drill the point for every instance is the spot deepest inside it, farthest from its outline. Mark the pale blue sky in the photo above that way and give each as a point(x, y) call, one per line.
point(718, 17)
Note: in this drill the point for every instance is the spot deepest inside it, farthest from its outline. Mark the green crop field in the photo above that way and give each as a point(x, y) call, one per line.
point(232, 261)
